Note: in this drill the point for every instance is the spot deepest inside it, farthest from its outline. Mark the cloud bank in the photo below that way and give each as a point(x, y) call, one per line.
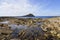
point(16, 8)
point(23, 7)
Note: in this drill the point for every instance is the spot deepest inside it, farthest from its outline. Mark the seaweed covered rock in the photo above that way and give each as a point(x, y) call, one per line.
point(51, 26)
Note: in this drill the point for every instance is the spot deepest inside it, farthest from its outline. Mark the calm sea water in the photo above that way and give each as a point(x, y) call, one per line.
point(37, 17)
point(44, 16)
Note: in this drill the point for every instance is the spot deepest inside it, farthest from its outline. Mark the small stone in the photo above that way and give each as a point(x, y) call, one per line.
point(58, 35)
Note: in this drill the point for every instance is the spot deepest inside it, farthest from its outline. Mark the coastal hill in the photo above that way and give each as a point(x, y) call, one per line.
point(28, 15)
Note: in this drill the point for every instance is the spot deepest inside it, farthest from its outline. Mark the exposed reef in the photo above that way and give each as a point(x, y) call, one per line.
point(12, 28)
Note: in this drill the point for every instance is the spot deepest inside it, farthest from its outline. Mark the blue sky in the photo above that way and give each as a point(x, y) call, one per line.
point(36, 7)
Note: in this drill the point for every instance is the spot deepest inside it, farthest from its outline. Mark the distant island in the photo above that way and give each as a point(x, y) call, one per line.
point(29, 15)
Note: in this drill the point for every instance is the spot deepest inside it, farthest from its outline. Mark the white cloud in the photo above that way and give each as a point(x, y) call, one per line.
point(16, 8)
point(23, 7)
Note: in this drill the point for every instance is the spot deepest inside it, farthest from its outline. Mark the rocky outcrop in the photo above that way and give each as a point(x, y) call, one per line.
point(51, 26)
point(37, 29)
point(29, 15)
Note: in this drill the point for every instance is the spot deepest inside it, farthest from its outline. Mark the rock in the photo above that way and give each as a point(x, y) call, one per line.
point(29, 15)
point(37, 29)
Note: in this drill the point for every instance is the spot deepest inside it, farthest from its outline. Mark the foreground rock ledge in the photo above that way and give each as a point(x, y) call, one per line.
point(37, 29)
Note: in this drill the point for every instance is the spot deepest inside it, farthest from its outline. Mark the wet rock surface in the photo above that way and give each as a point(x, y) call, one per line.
point(29, 28)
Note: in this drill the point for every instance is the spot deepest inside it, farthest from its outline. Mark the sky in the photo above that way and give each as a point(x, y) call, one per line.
point(35, 7)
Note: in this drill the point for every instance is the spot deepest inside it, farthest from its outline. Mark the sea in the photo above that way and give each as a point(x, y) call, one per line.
point(37, 17)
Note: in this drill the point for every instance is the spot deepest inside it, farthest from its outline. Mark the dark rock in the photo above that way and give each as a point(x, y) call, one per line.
point(29, 15)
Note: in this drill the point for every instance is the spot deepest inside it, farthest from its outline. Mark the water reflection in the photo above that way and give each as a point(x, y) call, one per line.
point(14, 26)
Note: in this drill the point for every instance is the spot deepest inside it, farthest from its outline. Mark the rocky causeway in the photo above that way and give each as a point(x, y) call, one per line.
point(13, 28)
